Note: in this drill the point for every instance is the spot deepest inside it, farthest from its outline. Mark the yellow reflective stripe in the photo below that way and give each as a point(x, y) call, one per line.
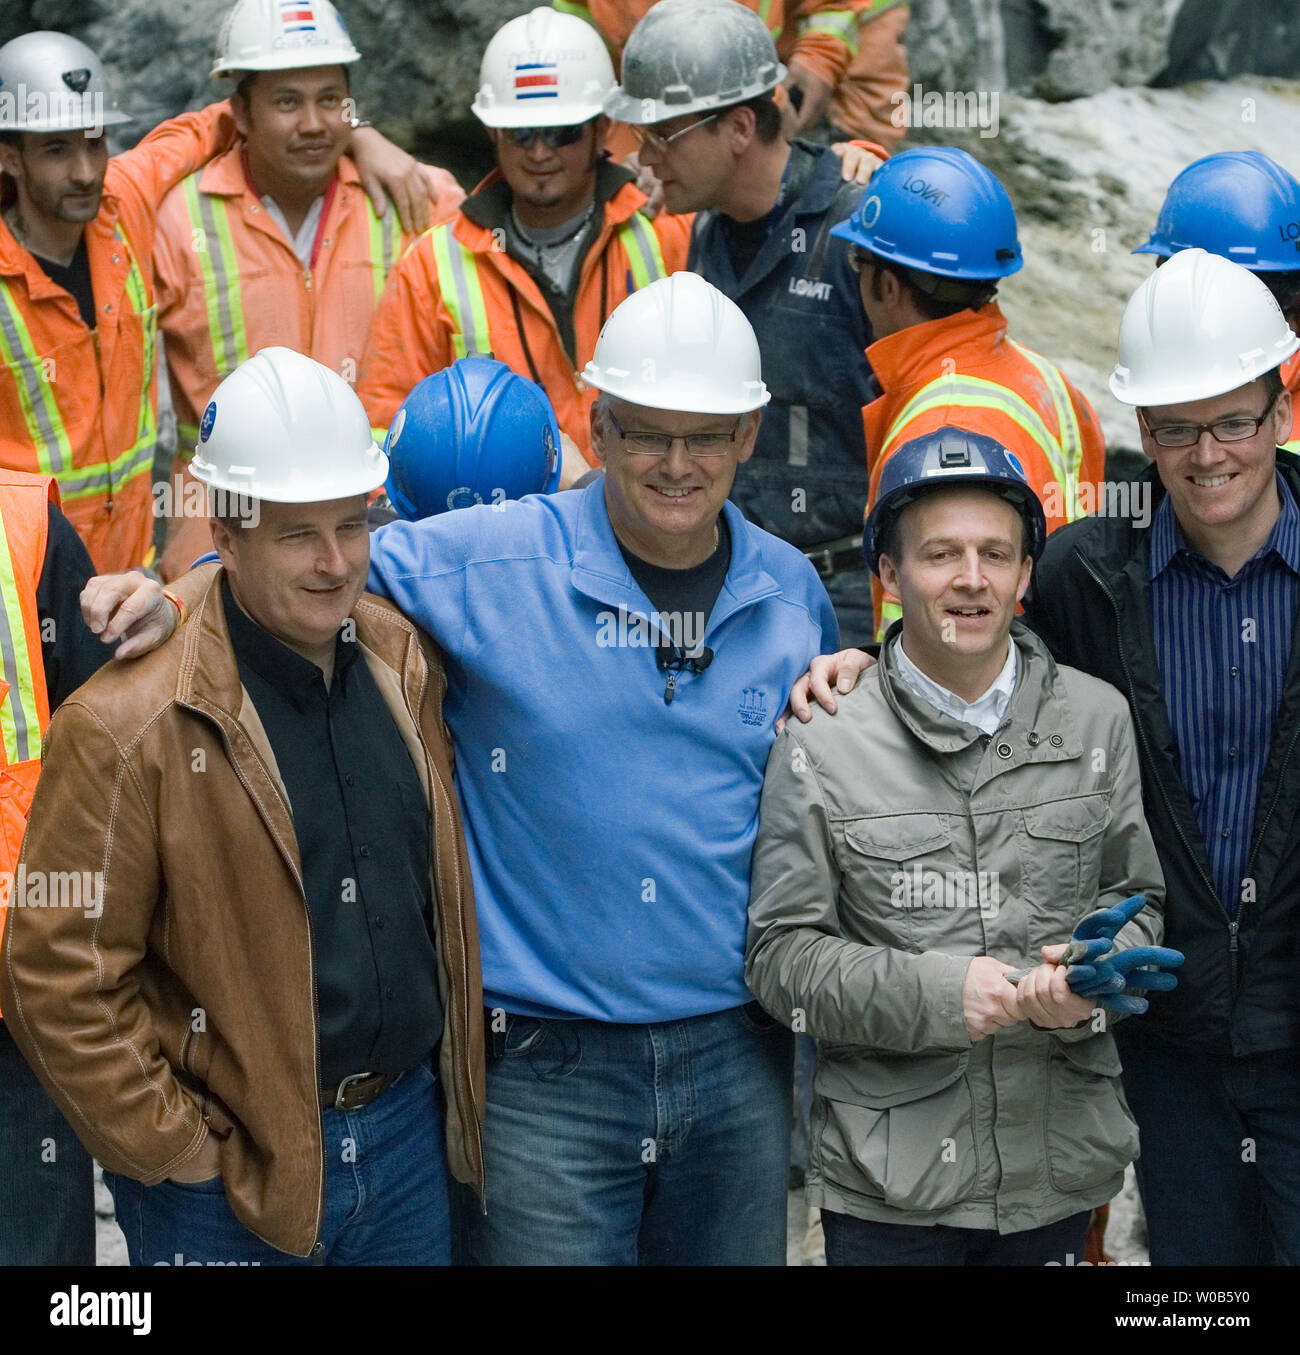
point(976, 393)
point(1291, 446)
point(641, 245)
point(1070, 439)
point(86, 481)
point(841, 24)
point(890, 611)
point(464, 297)
point(220, 268)
point(35, 393)
point(576, 9)
point(147, 424)
point(385, 245)
point(20, 718)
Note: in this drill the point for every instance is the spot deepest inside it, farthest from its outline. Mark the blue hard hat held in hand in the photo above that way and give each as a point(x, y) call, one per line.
point(473, 433)
point(939, 210)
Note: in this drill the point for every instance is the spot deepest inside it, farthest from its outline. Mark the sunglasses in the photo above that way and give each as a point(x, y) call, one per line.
point(648, 137)
point(554, 137)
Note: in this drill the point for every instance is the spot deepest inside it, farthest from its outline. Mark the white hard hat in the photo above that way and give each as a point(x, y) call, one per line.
point(543, 69)
point(687, 56)
point(285, 428)
point(1199, 326)
point(50, 82)
point(680, 344)
point(279, 35)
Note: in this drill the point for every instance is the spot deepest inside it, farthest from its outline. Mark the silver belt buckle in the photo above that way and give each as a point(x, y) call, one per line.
point(345, 1084)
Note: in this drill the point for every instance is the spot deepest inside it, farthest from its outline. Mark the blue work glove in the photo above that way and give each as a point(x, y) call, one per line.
point(1117, 983)
point(1106, 922)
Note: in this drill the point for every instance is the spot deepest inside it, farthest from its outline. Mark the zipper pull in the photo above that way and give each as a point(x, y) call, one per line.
point(670, 690)
point(1232, 936)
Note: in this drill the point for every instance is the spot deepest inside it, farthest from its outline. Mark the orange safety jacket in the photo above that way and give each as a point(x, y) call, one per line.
point(229, 282)
point(963, 370)
point(81, 404)
point(457, 292)
point(24, 701)
point(1290, 373)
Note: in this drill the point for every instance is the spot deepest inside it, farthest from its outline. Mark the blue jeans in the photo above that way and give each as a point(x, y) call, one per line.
point(47, 1182)
point(1220, 1165)
point(866, 1242)
point(661, 1144)
point(385, 1195)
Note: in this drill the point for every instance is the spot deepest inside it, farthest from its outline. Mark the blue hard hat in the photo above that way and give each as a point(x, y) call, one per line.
point(939, 210)
point(949, 458)
point(476, 432)
point(1238, 204)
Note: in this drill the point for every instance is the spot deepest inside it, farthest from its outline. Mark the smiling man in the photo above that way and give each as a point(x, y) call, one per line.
point(969, 804)
point(256, 1033)
point(1193, 619)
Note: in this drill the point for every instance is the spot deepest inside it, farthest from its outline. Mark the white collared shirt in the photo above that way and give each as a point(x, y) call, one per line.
point(305, 240)
point(985, 712)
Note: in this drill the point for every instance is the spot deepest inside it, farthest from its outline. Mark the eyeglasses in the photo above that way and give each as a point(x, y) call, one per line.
point(554, 137)
point(647, 137)
point(1236, 429)
point(660, 444)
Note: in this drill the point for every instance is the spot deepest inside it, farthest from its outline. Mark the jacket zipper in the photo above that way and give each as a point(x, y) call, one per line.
point(1146, 747)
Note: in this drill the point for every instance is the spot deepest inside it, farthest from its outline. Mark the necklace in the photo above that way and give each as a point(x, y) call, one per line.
point(539, 246)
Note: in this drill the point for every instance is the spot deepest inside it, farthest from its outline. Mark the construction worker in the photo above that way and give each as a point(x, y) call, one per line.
point(888, 910)
point(698, 82)
point(476, 432)
point(1246, 207)
point(542, 251)
point(839, 61)
point(931, 239)
point(77, 322)
point(263, 1081)
point(47, 1187)
point(273, 243)
point(77, 302)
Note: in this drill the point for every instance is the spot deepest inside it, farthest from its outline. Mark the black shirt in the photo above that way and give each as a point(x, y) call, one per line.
point(683, 598)
point(745, 238)
point(74, 278)
point(362, 825)
point(71, 653)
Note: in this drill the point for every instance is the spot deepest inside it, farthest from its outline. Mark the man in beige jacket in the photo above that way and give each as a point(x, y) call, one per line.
point(966, 807)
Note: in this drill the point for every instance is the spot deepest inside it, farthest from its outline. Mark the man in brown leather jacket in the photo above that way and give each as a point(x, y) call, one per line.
point(275, 960)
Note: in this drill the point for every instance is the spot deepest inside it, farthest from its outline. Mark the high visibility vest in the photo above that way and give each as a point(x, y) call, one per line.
point(1062, 450)
point(24, 702)
point(37, 382)
point(462, 291)
point(216, 221)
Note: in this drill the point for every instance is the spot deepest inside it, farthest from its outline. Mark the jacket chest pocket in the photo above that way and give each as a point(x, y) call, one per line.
point(1061, 862)
point(902, 874)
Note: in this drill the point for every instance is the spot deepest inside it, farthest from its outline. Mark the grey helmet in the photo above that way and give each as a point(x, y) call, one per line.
point(691, 56)
point(51, 82)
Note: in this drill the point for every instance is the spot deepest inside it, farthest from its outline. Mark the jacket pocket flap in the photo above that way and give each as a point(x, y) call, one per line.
point(864, 1077)
point(1069, 820)
point(1097, 1055)
point(896, 837)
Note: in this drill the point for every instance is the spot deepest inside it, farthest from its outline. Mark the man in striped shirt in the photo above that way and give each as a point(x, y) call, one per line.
point(1193, 619)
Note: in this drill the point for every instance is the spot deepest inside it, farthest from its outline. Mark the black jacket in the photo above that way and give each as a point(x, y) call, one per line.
point(1089, 599)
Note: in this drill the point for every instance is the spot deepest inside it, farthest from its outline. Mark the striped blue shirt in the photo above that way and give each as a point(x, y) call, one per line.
point(1223, 645)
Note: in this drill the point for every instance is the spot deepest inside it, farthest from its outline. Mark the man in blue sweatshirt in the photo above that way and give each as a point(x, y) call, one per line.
point(617, 657)
point(616, 660)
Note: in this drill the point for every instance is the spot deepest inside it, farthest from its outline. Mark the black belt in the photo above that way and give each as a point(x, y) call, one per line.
point(358, 1090)
point(833, 557)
